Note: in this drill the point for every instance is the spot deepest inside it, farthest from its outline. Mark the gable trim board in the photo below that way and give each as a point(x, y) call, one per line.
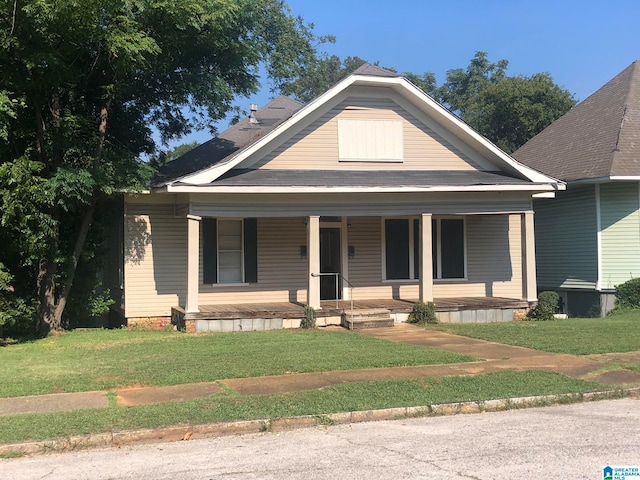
point(403, 87)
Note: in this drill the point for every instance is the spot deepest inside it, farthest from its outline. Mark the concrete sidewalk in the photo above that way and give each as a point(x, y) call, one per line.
point(495, 357)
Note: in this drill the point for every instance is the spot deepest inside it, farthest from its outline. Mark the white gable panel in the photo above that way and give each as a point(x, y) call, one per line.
point(363, 140)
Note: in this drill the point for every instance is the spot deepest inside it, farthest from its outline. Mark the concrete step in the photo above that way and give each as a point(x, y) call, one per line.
point(367, 312)
point(372, 318)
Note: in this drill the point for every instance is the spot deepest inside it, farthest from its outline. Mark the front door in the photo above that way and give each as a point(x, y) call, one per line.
point(330, 262)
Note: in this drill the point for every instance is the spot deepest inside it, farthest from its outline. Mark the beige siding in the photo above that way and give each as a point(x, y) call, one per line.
point(365, 269)
point(316, 146)
point(282, 274)
point(155, 263)
point(155, 251)
point(494, 261)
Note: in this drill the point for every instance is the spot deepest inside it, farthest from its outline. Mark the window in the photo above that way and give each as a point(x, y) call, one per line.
point(401, 255)
point(229, 250)
point(370, 140)
point(448, 248)
point(402, 248)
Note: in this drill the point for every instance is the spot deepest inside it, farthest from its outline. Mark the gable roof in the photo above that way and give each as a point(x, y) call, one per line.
point(232, 140)
point(597, 139)
point(374, 71)
point(203, 171)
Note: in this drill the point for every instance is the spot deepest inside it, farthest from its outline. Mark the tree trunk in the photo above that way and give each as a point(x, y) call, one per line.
point(46, 295)
point(87, 219)
point(47, 270)
point(52, 308)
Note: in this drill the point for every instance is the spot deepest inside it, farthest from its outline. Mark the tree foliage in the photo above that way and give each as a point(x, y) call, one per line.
point(507, 110)
point(320, 75)
point(165, 156)
point(81, 87)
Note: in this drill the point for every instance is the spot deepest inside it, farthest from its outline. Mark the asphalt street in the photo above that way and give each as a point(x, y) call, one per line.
point(572, 442)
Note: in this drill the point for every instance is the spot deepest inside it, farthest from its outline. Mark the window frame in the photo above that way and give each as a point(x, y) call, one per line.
point(414, 276)
point(210, 251)
point(438, 261)
point(242, 251)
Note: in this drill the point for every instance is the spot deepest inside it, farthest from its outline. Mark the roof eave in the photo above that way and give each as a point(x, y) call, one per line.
point(605, 179)
point(532, 188)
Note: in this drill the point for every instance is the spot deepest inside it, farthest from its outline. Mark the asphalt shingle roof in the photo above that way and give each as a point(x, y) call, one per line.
point(600, 137)
point(243, 134)
point(239, 136)
point(364, 178)
point(374, 71)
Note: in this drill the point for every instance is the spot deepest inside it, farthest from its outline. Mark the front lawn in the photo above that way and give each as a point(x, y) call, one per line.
point(105, 359)
point(228, 405)
point(575, 336)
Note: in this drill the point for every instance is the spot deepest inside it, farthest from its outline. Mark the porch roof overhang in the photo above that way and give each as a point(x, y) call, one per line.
point(347, 181)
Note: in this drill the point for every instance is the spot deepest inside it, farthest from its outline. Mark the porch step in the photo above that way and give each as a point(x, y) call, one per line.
point(370, 318)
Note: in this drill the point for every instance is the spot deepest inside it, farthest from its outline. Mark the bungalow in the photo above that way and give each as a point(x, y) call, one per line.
point(372, 192)
point(588, 239)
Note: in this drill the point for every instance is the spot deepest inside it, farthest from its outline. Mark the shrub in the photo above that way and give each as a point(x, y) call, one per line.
point(17, 315)
point(546, 307)
point(309, 319)
point(423, 313)
point(628, 294)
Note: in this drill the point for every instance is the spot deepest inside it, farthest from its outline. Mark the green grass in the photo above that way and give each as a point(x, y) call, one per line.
point(575, 336)
point(105, 359)
point(227, 406)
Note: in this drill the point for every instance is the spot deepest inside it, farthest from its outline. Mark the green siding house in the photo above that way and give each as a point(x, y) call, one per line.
point(588, 237)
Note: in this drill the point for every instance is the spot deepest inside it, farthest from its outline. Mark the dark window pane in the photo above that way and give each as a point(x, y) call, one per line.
point(209, 250)
point(251, 250)
point(452, 248)
point(396, 233)
point(434, 247)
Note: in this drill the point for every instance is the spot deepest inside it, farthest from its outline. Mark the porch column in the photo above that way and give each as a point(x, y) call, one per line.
point(313, 254)
point(426, 261)
point(529, 287)
point(193, 257)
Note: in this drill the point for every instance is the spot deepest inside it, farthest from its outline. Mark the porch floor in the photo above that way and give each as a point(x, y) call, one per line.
point(332, 308)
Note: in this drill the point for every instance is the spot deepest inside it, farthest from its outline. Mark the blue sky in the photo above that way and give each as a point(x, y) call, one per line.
point(582, 44)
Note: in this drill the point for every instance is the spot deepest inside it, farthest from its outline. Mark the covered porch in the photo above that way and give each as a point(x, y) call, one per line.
point(276, 315)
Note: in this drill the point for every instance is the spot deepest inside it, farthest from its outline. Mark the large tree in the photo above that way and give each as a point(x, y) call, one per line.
point(507, 110)
point(82, 86)
point(319, 75)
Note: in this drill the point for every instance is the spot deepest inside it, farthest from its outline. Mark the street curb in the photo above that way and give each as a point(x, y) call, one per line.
point(220, 429)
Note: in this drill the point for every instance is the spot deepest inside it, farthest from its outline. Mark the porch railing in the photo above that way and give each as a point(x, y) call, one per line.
point(338, 276)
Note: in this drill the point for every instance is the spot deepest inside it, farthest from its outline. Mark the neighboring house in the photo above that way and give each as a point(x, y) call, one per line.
point(373, 180)
point(588, 238)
